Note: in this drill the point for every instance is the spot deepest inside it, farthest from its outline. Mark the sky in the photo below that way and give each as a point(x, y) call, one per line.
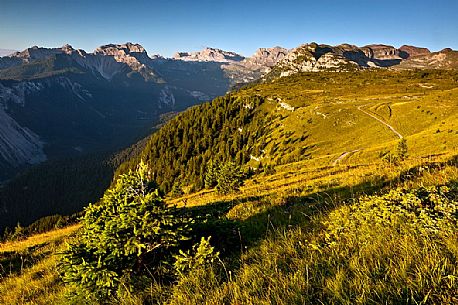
point(166, 27)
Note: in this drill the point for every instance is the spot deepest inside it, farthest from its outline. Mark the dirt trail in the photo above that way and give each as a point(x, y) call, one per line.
point(346, 153)
point(343, 155)
point(384, 123)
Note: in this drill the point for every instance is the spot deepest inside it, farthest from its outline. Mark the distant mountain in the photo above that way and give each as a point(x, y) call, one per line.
point(6, 52)
point(209, 54)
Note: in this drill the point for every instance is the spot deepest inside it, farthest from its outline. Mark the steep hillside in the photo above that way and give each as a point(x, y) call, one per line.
point(323, 118)
point(338, 212)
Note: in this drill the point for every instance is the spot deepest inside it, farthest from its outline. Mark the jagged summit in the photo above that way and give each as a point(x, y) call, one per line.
point(68, 49)
point(267, 56)
point(253, 67)
point(37, 52)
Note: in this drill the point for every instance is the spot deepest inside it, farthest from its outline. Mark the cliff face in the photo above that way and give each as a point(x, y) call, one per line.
point(313, 58)
point(381, 51)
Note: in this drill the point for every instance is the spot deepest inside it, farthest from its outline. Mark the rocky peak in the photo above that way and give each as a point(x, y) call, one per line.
point(313, 58)
point(120, 49)
point(132, 54)
point(69, 50)
point(267, 57)
point(413, 51)
point(209, 54)
point(446, 50)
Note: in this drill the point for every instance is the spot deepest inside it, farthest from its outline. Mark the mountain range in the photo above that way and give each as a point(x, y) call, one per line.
point(57, 102)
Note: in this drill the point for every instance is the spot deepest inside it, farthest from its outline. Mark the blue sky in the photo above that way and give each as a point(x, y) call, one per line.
point(165, 27)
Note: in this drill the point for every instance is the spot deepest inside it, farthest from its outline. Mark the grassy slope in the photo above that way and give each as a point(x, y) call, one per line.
point(280, 219)
point(328, 113)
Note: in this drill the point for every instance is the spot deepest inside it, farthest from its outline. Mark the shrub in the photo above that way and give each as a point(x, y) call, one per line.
point(127, 235)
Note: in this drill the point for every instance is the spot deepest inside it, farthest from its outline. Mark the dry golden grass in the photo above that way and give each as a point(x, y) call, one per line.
point(33, 277)
point(38, 239)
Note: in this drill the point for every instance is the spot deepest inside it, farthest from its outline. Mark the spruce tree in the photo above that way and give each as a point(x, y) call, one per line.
point(401, 150)
point(124, 237)
point(230, 178)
